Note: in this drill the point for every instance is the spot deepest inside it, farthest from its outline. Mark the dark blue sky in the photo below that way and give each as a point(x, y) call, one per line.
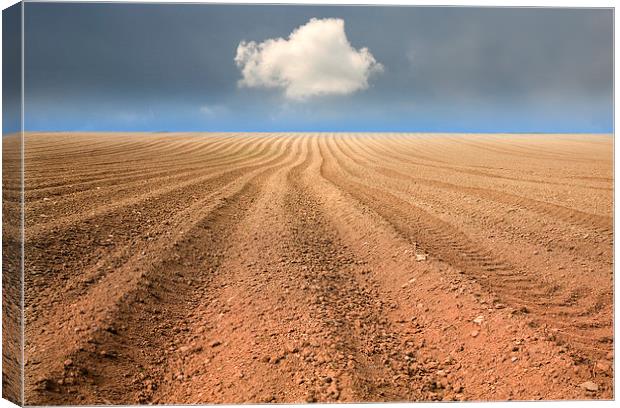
point(172, 67)
point(11, 69)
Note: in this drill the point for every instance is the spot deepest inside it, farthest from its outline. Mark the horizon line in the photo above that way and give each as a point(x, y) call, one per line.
point(313, 131)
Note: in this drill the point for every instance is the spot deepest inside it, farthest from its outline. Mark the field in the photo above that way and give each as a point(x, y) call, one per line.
point(195, 268)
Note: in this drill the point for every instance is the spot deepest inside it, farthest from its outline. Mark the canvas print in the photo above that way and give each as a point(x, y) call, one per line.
point(223, 204)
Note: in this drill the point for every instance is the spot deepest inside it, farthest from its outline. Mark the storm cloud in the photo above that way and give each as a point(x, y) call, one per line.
point(110, 66)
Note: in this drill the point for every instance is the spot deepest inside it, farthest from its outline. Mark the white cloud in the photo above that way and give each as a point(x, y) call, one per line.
point(316, 59)
point(212, 110)
point(207, 110)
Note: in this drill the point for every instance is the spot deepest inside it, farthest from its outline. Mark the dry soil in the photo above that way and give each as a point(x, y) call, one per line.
point(229, 268)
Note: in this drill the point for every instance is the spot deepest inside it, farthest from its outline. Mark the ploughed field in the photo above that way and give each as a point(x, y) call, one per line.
point(225, 268)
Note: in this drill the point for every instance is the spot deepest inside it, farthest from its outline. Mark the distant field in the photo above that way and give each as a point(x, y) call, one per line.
point(205, 268)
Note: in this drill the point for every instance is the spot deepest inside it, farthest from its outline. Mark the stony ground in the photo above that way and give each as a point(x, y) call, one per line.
point(228, 268)
point(12, 284)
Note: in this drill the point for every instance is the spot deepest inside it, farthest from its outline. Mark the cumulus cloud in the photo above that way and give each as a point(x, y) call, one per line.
point(316, 59)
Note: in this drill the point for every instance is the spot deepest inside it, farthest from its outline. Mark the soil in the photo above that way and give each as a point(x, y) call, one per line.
point(232, 268)
point(12, 284)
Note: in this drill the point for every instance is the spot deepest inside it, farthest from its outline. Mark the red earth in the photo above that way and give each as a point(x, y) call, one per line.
point(229, 268)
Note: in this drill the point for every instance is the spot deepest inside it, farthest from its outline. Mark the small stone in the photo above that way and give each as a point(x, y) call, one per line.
point(68, 362)
point(215, 343)
point(589, 386)
point(333, 391)
point(420, 257)
point(603, 366)
point(475, 333)
point(310, 397)
point(514, 358)
point(478, 320)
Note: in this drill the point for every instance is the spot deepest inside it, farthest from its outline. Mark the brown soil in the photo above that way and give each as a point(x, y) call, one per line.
point(12, 284)
point(229, 268)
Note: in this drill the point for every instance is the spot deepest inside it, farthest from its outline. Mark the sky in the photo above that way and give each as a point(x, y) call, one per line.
point(192, 67)
point(11, 69)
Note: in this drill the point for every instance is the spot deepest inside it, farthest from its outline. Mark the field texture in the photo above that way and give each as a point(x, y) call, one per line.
point(187, 268)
